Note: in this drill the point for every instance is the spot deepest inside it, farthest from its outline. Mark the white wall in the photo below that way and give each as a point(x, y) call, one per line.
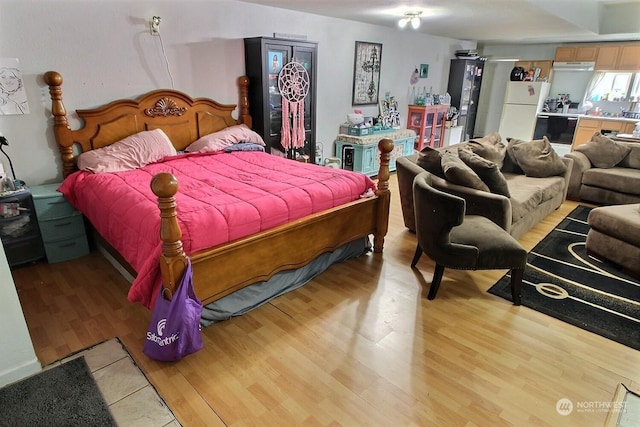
point(104, 51)
point(492, 91)
point(17, 356)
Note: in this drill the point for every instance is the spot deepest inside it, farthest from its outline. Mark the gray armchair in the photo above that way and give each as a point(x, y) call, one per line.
point(453, 240)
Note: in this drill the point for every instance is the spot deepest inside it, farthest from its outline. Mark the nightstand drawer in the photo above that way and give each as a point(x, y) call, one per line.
point(24, 251)
point(62, 228)
point(53, 207)
point(63, 250)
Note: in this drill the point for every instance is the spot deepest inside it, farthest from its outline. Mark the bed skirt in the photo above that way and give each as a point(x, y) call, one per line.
point(253, 296)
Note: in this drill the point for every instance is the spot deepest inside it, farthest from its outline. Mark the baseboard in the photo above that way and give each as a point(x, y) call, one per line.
point(17, 373)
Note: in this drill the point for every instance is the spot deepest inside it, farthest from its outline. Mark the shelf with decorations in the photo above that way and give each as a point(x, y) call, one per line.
point(428, 121)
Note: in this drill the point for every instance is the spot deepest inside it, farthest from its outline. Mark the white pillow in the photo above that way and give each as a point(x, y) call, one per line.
point(218, 141)
point(132, 152)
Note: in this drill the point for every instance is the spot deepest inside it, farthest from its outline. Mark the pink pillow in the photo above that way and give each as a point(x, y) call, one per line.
point(132, 152)
point(218, 141)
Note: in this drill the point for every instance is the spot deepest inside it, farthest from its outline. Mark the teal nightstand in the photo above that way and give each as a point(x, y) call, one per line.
point(61, 225)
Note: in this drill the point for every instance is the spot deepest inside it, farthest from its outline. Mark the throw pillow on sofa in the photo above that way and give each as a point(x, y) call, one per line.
point(487, 170)
point(536, 158)
point(489, 147)
point(430, 160)
point(457, 172)
point(603, 152)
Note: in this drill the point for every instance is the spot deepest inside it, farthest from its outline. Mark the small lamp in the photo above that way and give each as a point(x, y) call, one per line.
point(3, 142)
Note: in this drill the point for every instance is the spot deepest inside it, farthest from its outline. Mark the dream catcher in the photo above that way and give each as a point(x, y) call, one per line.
point(293, 83)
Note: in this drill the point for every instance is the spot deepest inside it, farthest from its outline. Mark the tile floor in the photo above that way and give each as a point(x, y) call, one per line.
point(132, 399)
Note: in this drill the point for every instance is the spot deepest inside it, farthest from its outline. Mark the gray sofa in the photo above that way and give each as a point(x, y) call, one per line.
point(614, 185)
point(531, 199)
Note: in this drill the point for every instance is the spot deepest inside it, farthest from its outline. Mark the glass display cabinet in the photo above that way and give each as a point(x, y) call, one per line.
point(264, 59)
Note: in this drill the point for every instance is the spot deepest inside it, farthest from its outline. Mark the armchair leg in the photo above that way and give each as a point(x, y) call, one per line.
point(417, 256)
point(435, 284)
point(516, 285)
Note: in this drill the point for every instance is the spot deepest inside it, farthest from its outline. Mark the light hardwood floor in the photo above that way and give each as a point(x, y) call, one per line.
point(358, 346)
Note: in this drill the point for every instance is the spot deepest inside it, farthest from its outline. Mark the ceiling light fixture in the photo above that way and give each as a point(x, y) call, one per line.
point(413, 17)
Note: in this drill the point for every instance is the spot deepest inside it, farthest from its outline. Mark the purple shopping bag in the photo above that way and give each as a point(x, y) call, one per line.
point(174, 330)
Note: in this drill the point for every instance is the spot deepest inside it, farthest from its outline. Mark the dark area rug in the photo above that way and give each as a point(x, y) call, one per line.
point(65, 395)
point(560, 280)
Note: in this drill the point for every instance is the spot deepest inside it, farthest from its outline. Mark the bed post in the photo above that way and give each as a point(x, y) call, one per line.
point(60, 123)
point(173, 260)
point(384, 195)
point(245, 116)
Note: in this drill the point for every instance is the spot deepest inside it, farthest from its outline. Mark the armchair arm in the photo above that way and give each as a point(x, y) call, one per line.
point(492, 206)
point(406, 171)
point(581, 163)
point(568, 161)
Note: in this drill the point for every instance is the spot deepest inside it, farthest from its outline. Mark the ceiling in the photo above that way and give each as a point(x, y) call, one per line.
point(491, 21)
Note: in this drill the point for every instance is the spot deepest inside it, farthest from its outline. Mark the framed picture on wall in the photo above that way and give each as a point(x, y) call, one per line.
point(366, 73)
point(424, 71)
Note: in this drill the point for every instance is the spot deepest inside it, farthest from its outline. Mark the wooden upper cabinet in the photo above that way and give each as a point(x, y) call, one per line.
point(629, 58)
point(607, 58)
point(586, 53)
point(565, 54)
point(576, 53)
point(545, 66)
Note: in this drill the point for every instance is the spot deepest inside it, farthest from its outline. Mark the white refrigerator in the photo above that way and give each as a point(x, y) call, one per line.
point(522, 103)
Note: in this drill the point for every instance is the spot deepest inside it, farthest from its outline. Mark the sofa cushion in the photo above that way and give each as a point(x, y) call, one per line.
point(525, 196)
point(537, 158)
point(489, 147)
point(632, 160)
point(457, 172)
point(430, 160)
point(616, 179)
point(487, 170)
point(527, 193)
point(603, 152)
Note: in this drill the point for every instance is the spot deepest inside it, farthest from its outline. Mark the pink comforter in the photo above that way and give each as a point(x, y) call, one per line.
point(221, 197)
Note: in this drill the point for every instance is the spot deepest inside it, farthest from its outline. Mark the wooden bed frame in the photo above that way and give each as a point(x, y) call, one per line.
point(184, 119)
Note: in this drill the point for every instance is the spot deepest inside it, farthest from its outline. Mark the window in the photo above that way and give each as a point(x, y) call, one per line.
point(614, 87)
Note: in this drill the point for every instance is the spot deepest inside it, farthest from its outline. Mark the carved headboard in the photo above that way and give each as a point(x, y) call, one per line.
point(182, 118)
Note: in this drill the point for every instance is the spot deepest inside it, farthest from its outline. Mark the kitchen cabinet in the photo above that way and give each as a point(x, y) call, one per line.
point(546, 68)
point(629, 58)
point(465, 80)
point(584, 131)
point(628, 128)
point(607, 58)
point(588, 126)
point(264, 59)
point(429, 123)
point(576, 53)
point(618, 57)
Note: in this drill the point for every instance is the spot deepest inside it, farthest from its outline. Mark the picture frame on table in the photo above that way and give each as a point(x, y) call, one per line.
point(366, 73)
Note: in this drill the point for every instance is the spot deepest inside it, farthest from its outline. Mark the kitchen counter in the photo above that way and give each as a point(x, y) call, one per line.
point(589, 116)
point(568, 115)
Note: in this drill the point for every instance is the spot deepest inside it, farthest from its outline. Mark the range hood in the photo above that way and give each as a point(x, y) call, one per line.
point(573, 66)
